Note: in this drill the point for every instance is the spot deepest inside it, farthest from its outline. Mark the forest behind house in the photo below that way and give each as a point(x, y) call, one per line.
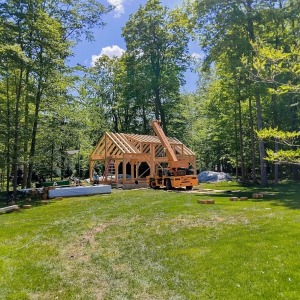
point(243, 119)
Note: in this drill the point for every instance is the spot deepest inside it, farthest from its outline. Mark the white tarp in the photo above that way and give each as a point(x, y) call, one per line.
point(210, 176)
point(79, 191)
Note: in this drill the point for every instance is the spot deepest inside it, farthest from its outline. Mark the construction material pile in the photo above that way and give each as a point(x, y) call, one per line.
point(210, 176)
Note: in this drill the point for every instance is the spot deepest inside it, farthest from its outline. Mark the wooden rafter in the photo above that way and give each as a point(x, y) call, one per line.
point(135, 149)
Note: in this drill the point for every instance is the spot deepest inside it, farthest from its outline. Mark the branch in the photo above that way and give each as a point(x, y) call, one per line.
point(284, 156)
point(282, 137)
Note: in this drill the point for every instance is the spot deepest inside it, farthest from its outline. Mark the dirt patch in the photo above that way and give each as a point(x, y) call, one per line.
point(82, 248)
point(201, 191)
point(89, 236)
point(77, 266)
point(195, 221)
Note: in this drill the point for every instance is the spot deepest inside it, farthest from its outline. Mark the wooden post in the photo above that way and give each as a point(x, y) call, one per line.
point(124, 169)
point(137, 169)
point(132, 170)
point(152, 160)
point(117, 163)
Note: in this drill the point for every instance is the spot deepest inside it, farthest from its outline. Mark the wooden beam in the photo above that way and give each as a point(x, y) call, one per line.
point(135, 149)
point(9, 209)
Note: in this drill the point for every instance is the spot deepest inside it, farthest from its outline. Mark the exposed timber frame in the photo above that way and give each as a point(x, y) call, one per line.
point(131, 150)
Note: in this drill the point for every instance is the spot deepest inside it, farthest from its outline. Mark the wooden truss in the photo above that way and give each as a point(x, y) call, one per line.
point(114, 149)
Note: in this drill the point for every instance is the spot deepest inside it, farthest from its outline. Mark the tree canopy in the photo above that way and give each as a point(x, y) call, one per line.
point(243, 118)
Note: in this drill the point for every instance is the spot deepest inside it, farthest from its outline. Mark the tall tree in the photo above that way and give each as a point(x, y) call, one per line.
point(277, 65)
point(156, 40)
point(36, 39)
point(231, 26)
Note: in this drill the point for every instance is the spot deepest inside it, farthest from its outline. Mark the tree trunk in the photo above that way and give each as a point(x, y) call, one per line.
point(52, 160)
point(295, 172)
point(262, 154)
point(7, 136)
point(159, 110)
point(116, 120)
point(16, 133)
point(160, 113)
point(236, 141)
point(276, 167)
point(145, 121)
point(253, 160)
point(34, 132)
point(263, 167)
point(26, 130)
point(62, 162)
point(241, 140)
point(157, 105)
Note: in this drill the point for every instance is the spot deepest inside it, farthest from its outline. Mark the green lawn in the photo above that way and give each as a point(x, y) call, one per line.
point(154, 244)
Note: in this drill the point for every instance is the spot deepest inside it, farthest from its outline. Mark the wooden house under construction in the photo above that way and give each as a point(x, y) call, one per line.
point(129, 158)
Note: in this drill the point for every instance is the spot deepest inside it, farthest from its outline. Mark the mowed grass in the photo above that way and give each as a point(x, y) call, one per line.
point(154, 244)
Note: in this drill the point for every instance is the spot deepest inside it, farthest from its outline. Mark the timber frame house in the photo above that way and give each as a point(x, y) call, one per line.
point(123, 155)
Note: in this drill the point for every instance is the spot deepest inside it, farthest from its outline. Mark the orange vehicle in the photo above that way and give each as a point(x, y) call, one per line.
point(176, 174)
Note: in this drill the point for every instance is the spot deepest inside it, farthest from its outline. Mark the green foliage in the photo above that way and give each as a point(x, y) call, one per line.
point(253, 49)
point(156, 42)
point(284, 156)
point(290, 139)
point(248, 80)
point(278, 68)
point(35, 41)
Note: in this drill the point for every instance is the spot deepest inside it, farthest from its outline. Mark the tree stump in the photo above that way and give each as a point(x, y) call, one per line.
point(233, 198)
point(257, 195)
point(207, 201)
point(243, 198)
point(26, 206)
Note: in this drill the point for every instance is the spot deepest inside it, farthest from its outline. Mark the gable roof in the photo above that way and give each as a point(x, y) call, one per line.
point(118, 144)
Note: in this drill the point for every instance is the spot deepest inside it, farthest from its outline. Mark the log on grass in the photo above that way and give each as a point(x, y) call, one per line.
point(243, 198)
point(26, 206)
point(233, 198)
point(257, 195)
point(207, 201)
point(9, 209)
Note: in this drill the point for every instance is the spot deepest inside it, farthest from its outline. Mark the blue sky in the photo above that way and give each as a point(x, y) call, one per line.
point(108, 40)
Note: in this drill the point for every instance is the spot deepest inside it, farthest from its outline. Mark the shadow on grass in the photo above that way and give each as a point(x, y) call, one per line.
point(283, 194)
point(22, 199)
point(287, 194)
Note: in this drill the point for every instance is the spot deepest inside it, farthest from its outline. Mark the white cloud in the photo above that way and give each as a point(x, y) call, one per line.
point(110, 51)
point(119, 7)
point(196, 56)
